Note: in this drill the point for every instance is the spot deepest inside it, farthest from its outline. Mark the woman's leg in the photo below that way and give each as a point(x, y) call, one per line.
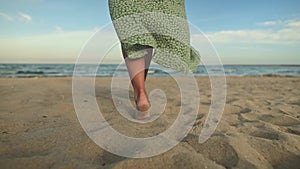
point(138, 69)
point(148, 59)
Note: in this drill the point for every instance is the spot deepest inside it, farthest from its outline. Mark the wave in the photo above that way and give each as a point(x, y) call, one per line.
point(29, 72)
point(63, 70)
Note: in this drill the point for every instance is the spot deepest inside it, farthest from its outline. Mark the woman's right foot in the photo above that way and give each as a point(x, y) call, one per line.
point(142, 105)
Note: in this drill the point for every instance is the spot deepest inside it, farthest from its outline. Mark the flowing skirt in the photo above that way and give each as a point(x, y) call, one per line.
point(159, 24)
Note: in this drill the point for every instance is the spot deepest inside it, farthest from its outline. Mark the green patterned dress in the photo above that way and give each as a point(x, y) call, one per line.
point(160, 24)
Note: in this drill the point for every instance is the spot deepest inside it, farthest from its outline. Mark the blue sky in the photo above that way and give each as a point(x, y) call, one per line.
point(243, 32)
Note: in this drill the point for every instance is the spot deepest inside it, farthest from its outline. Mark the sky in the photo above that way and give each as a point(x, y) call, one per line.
point(242, 31)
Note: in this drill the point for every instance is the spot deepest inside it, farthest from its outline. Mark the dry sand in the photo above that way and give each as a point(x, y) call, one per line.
point(260, 127)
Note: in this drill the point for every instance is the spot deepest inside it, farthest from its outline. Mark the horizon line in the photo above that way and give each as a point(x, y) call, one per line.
point(230, 64)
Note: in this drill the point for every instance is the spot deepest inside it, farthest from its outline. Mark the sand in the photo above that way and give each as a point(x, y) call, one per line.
point(260, 127)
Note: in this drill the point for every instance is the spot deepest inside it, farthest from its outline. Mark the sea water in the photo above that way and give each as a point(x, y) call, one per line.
point(110, 70)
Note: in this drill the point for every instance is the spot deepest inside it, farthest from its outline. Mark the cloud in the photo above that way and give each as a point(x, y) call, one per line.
point(58, 29)
point(294, 24)
point(25, 17)
point(270, 23)
point(286, 23)
point(58, 47)
point(287, 33)
point(96, 28)
point(43, 48)
point(6, 16)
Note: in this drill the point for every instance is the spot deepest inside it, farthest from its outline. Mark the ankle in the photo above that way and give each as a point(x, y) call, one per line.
point(140, 91)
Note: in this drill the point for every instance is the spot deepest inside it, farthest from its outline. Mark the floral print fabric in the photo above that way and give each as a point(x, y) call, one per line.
point(160, 24)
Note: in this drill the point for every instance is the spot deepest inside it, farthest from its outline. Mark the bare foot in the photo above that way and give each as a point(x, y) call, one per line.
point(142, 115)
point(142, 105)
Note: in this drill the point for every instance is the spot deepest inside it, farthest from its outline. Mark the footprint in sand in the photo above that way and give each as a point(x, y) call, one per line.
point(216, 149)
point(282, 120)
point(265, 134)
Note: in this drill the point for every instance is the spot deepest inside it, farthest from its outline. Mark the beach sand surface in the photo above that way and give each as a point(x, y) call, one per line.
point(260, 126)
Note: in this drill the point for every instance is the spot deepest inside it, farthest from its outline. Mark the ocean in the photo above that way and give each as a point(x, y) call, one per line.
point(108, 70)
